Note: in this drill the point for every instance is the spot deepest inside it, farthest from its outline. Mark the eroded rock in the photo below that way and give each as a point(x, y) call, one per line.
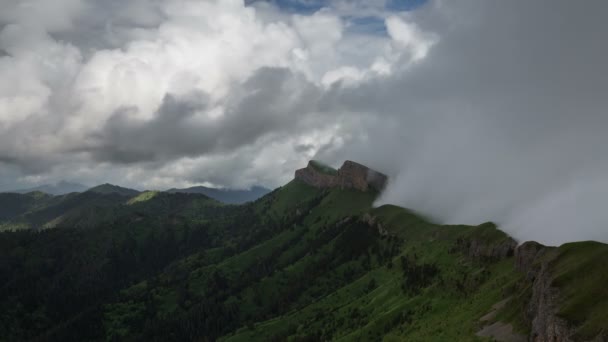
point(351, 175)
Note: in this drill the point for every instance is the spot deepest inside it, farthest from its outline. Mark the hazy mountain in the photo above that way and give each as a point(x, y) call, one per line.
point(113, 189)
point(311, 261)
point(13, 205)
point(226, 195)
point(60, 188)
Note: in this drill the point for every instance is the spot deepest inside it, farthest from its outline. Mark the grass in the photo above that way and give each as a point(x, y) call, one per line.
point(290, 196)
point(323, 168)
point(437, 313)
point(581, 274)
point(143, 197)
point(300, 240)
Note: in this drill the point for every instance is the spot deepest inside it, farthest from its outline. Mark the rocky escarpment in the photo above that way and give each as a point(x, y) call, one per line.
point(485, 250)
point(374, 223)
point(534, 260)
point(351, 175)
point(487, 243)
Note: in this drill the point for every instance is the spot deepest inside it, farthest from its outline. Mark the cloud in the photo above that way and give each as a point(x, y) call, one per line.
point(156, 82)
point(272, 101)
point(478, 110)
point(503, 120)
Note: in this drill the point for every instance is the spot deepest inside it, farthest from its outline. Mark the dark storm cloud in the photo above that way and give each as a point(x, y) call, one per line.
point(272, 101)
point(503, 119)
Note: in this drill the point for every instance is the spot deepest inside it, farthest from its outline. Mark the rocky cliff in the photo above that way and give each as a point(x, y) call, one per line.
point(531, 258)
point(542, 310)
point(350, 175)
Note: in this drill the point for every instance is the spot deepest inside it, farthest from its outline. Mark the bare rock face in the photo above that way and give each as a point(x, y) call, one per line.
point(526, 254)
point(533, 259)
point(311, 176)
point(543, 308)
point(374, 223)
point(479, 249)
point(350, 176)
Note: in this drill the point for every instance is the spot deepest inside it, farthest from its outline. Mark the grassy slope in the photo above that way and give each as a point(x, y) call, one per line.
point(295, 269)
point(323, 168)
point(439, 312)
point(376, 305)
point(581, 274)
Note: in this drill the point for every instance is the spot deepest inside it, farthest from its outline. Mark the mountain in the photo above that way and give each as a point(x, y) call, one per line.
point(227, 196)
point(60, 188)
point(113, 189)
point(310, 261)
point(15, 204)
point(350, 175)
point(37, 210)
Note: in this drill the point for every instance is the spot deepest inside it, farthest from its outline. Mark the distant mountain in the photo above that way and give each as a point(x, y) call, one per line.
point(60, 188)
point(113, 189)
point(102, 204)
point(228, 196)
point(14, 204)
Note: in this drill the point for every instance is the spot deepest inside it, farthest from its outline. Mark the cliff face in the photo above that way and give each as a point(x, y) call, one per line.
point(351, 175)
point(533, 259)
point(481, 249)
point(311, 176)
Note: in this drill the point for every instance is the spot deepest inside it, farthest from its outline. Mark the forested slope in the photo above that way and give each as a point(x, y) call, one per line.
point(300, 264)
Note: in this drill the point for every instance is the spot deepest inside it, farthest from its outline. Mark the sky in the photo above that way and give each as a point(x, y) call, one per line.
point(477, 110)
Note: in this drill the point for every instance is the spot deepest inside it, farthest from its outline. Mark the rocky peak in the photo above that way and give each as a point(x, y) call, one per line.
point(350, 175)
point(526, 254)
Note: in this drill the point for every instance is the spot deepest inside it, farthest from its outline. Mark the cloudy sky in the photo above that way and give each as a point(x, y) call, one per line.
point(478, 110)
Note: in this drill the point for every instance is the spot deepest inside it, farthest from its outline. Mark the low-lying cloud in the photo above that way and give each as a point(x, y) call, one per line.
point(479, 110)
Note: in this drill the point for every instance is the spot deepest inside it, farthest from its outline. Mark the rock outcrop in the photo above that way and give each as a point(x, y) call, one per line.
point(534, 260)
point(314, 177)
point(482, 249)
point(526, 254)
point(350, 176)
point(375, 224)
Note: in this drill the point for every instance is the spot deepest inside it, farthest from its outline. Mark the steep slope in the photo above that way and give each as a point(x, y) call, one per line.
point(566, 295)
point(303, 263)
point(227, 196)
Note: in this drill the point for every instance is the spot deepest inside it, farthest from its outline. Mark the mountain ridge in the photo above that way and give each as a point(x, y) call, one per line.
point(228, 196)
point(302, 263)
point(60, 188)
point(108, 188)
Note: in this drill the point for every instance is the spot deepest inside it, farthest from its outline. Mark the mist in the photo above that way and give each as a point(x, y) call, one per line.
point(505, 121)
point(477, 110)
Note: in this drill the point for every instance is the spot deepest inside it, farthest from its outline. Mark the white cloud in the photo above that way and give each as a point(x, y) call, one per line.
point(479, 111)
point(409, 36)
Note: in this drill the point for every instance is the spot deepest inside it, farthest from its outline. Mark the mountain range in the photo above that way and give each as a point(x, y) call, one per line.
point(60, 188)
point(310, 261)
point(229, 196)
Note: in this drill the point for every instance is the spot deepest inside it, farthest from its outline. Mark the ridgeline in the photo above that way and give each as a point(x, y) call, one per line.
point(310, 261)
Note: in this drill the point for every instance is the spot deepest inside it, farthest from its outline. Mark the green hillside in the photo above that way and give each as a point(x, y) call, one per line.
point(299, 264)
